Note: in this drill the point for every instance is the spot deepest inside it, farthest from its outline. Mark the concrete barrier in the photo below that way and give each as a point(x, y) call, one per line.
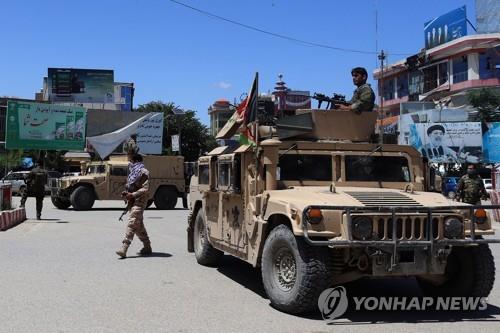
point(11, 218)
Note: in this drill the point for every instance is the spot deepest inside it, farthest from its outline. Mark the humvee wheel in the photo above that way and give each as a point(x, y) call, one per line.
point(165, 198)
point(60, 203)
point(292, 272)
point(470, 272)
point(204, 252)
point(150, 202)
point(82, 198)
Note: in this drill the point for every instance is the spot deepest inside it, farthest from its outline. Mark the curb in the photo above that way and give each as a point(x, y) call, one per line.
point(11, 218)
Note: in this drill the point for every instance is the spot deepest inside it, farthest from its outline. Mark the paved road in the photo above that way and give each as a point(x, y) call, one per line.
point(61, 275)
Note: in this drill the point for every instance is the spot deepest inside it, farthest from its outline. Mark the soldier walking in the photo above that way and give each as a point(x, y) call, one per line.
point(470, 187)
point(136, 193)
point(35, 186)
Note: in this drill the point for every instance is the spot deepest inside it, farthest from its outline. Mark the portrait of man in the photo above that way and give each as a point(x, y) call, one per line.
point(435, 150)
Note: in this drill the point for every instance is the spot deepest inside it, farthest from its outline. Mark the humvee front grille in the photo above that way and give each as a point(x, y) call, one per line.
point(384, 199)
point(407, 227)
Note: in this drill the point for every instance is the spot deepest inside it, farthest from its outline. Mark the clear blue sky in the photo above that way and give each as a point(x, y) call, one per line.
point(175, 54)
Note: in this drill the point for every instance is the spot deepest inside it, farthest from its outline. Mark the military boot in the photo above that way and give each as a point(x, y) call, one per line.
point(123, 251)
point(146, 250)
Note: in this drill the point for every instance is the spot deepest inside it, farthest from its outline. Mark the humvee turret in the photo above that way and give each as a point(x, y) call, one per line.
point(106, 181)
point(315, 204)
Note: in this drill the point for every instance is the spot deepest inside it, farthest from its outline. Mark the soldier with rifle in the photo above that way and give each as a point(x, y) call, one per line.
point(470, 187)
point(136, 194)
point(363, 99)
point(35, 187)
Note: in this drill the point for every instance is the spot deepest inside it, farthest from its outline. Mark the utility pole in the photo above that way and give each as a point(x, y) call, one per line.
point(381, 57)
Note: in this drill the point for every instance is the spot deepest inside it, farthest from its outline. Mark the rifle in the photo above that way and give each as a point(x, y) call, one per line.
point(332, 102)
point(130, 204)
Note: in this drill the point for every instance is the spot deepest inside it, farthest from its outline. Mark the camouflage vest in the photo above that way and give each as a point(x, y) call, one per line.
point(471, 192)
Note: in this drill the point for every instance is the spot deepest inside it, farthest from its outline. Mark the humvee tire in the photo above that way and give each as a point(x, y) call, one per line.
point(59, 203)
point(82, 198)
point(470, 272)
point(293, 273)
point(150, 202)
point(204, 252)
point(165, 198)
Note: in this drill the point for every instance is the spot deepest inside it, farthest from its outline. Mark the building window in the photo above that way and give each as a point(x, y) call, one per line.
point(402, 85)
point(489, 64)
point(430, 78)
point(388, 90)
point(416, 85)
point(460, 69)
point(443, 73)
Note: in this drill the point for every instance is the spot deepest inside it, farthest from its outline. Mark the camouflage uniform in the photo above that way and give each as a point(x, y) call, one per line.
point(35, 181)
point(363, 99)
point(136, 218)
point(470, 189)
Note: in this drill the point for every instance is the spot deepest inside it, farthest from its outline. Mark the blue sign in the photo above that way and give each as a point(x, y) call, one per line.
point(445, 28)
point(491, 143)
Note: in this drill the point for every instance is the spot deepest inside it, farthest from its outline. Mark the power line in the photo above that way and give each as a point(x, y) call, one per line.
point(293, 39)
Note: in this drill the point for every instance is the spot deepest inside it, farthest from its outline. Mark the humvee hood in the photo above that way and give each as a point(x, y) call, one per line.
point(301, 197)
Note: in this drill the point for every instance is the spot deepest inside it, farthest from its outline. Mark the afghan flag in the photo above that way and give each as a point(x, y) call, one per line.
point(247, 110)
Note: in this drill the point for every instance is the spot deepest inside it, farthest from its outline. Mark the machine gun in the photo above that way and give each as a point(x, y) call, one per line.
point(332, 103)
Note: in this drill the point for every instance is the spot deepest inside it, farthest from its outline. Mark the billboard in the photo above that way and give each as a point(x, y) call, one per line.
point(491, 143)
point(445, 28)
point(72, 85)
point(448, 142)
point(45, 126)
point(150, 134)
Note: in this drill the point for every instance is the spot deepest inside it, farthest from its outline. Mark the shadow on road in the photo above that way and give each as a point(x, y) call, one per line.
point(242, 273)
point(153, 255)
point(34, 221)
point(250, 278)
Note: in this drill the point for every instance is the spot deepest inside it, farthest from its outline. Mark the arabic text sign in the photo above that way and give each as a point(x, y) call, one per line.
point(448, 142)
point(45, 126)
point(150, 135)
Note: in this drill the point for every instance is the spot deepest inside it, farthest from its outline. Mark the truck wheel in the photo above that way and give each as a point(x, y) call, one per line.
point(60, 203)
point(82, 198)
point(204, 252)
point(293, 273)
point(165, 198)
point(470, 272)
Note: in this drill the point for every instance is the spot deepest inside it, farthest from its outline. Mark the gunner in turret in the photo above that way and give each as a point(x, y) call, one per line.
point(363, 98)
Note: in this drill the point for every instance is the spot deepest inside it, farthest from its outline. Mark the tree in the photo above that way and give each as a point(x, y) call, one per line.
point(487, 101)
point(195, 138)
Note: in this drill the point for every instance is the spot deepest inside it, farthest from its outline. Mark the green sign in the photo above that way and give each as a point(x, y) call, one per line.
point(45, 126)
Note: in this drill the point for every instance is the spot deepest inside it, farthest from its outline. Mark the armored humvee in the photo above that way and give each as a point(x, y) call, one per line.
point(106, 180)
point(315, 204)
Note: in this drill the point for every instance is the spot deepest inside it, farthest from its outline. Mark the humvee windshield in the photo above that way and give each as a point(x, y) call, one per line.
point(96, 169)
point(305, 167)
point(377, 168)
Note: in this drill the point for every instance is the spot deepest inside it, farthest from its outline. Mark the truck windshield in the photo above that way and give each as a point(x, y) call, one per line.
point(96, 169)
point(377, 168)
point(305, 167)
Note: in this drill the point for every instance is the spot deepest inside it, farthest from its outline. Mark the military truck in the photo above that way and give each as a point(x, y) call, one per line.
point(106, 180)
point(315, 204)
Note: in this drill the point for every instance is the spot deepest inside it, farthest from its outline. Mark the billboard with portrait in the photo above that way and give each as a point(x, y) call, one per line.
point(448, 142)
point(445, 28)
point(45, 126)
point(71, 85)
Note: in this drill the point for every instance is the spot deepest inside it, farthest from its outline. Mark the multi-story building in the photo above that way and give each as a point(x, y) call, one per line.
point(219, 114)
point(446, 71)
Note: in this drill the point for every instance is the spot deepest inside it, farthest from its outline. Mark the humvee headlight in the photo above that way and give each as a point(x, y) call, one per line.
point(453, 227)
point(314, 215)
point(362, 227)
point(480, 215)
